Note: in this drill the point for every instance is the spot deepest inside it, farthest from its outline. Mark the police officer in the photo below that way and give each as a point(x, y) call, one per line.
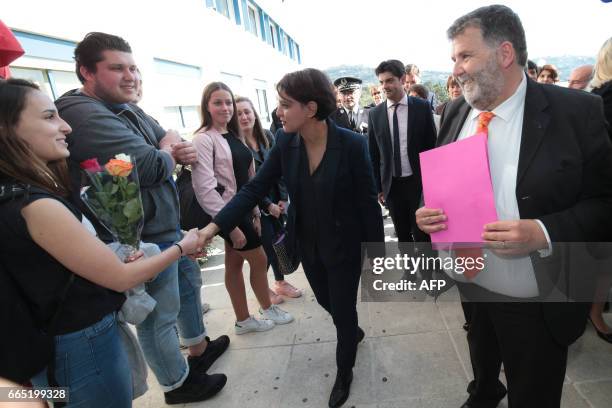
point(350, 115)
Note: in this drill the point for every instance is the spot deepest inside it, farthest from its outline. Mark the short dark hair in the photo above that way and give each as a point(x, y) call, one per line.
point(419, 90)
point(532, 65)
point(498, 24)
point(310, 85)
point(412, 69)
point(89, 51)
point(395, 67)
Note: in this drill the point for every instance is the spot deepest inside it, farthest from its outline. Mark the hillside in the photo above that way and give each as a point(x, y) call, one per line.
point(565, 64)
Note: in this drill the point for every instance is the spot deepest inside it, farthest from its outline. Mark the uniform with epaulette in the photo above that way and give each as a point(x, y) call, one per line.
point(350, 115)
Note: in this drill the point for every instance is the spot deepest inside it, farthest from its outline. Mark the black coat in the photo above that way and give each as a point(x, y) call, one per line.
point(278, 192)
point(341, 117)
point(421, 137)
point(351, 191)
point(564, 179)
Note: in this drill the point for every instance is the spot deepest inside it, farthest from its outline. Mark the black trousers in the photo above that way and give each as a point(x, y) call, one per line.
point(336, 291)
point(268, 233)
point(515, 334)
point(403, 201)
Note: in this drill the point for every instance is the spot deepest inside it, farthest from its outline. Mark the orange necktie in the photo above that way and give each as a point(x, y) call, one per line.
point(483, 127)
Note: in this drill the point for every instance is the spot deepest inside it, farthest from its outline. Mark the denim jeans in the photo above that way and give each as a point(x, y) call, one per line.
point(93, 364)
point(190, 320)
point(156, 333)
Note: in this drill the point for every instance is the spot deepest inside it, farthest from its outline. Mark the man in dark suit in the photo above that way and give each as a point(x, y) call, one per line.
point(398, 130)
point(350, 115)
point(549, 159)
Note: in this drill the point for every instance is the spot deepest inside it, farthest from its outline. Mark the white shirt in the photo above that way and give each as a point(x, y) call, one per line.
point(402, 118)
point(511, 277)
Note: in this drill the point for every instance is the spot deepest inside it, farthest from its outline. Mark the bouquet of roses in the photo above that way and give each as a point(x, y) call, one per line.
point(114, 198)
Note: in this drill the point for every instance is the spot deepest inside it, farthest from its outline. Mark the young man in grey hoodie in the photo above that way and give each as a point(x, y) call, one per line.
point(104, 123)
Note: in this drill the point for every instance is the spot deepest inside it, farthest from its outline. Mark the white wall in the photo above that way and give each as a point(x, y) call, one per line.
point(182, 31)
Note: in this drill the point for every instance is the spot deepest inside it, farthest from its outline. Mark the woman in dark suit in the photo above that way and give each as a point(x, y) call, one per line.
point(333, 208)
point(273, 206)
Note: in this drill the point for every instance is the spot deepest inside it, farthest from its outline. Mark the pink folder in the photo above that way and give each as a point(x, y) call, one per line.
point(457, 179)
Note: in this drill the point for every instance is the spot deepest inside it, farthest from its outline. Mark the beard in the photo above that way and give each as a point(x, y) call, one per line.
point(482, 88)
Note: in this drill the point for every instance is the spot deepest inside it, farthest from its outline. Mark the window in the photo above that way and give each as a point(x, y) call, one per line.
point(53, 83)
point(262, 102)
point(223, 7)
point(180, 117)
point(233, 81)
point(285, 44)
point(253, 16)
point(63, 82)
point(274, 35)
point(179, 85)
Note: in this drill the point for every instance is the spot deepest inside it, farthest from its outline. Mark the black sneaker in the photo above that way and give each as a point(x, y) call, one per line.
point(197, 387)
point(214, 349)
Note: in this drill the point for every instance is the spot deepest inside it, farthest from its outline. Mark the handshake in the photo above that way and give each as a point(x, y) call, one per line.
point(195, 241)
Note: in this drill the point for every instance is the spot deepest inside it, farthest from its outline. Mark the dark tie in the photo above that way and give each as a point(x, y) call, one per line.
point(397, 161)
point(352, 120)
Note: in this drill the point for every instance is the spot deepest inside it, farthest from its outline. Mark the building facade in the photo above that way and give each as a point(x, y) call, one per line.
point(179, 47)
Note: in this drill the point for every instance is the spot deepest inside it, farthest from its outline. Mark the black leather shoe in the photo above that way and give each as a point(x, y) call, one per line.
point(213, 351)
point(342, 388)
point(197, 387)
point(360, 334)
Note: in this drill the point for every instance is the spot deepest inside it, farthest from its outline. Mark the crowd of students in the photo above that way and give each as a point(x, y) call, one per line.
point(321, 182)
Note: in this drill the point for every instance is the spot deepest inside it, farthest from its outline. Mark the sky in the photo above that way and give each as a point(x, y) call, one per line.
point(369, 31)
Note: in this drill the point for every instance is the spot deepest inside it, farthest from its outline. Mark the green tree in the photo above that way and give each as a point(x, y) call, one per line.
point(439, 89)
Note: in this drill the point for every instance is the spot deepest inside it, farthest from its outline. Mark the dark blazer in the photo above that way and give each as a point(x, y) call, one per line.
point(564, 179)
point(278, 190)
point(340, 116)
point(421, 137)
point(351, 191)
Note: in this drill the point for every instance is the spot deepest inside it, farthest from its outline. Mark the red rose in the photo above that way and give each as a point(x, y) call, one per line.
point(91, 165)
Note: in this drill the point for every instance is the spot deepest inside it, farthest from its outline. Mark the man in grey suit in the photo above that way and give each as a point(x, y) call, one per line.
point(549, 157)
point(398, 130)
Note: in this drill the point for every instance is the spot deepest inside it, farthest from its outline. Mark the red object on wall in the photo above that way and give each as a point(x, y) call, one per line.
point(10, 49)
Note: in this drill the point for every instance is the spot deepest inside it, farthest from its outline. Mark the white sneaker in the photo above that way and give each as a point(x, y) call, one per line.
point(253, 325)
point(276, 314)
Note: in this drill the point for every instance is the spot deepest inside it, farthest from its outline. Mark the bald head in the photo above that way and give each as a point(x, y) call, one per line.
point(580, 77)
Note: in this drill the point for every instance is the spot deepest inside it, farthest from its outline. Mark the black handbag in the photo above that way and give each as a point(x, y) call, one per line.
point(192, 214)
point(29, 348)
point(288, 259)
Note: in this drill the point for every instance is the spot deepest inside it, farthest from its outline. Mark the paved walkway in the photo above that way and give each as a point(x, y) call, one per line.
point(414, 356)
